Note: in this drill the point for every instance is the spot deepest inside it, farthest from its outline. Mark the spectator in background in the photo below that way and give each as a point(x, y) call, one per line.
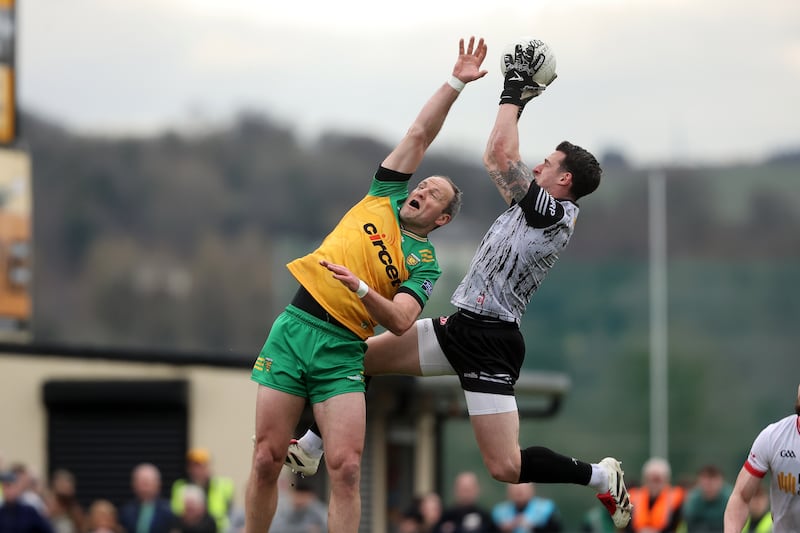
point(31, 491)
point(305, 513)
point(704, 509)
point(148, 512)
point(16, 516)
point(219, 490)
point(410, 521)
point(657, 503)
point(466, 515)
point(102, 518)
point(66, 513)
point(759, 519)
point(194, 517)
point(524, 512)
point(422, 514)
point(430, 508)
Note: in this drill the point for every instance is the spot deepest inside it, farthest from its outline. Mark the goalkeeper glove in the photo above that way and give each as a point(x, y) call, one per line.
point(521, 66)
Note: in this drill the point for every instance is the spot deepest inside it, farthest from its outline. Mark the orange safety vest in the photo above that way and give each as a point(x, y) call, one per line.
point(658, 516)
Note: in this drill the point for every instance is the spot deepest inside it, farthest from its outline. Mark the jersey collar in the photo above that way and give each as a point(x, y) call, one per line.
point(413, 235)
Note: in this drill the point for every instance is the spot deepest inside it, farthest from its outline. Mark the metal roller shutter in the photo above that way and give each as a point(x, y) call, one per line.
point(100, 430)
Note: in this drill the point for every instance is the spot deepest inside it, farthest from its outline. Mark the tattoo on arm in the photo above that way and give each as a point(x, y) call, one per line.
point(514, 183)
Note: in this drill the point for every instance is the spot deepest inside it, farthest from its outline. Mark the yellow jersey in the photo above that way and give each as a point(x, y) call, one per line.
point(369, 241)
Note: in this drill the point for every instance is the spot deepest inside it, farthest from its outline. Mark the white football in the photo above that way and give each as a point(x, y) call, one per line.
point(542, 62)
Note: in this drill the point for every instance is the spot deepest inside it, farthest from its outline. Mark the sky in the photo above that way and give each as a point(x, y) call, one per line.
point(662, 81)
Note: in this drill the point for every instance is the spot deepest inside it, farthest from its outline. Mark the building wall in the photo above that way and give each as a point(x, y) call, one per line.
point(221, 407)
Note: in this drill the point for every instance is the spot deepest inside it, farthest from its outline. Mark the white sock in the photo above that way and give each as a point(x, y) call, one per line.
point(311, 443)
point(599, 480)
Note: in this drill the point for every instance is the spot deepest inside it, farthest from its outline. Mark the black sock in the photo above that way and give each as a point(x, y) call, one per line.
point(542, 465)
point(315, 428)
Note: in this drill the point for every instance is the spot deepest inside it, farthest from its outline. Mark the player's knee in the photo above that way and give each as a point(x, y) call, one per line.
point(267, 463)
point(503, 470)
point(346, 470)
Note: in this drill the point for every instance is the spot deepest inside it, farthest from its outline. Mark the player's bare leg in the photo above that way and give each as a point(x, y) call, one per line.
point(342, 420)
point(277, 414)
point(392, 354)
point(386, 354)
point(497, 436)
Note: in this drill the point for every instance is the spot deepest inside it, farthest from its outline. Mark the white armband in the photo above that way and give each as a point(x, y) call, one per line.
point(362, 289)
point(456, 83)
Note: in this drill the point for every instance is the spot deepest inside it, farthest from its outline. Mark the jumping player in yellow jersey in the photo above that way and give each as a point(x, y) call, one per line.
point(315, 349)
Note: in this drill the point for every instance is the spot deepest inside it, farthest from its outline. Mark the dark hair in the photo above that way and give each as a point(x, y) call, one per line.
point(709, 471)
point(584, 167)
point(412, 512)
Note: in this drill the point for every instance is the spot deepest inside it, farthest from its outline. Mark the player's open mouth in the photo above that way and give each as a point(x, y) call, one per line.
point(414, 204)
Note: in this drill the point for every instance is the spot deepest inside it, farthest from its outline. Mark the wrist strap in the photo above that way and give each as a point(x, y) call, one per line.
point(512, 95)
point(362, 289)
point(456, 84)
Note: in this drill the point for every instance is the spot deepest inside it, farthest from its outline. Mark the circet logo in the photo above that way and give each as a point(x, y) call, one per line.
point(376, 238)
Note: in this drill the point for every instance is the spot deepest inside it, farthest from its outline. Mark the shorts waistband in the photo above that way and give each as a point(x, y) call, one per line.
point(305, 302)
point(486, 320)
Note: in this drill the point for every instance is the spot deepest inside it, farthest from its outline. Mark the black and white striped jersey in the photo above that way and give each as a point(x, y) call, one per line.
point(515, 255)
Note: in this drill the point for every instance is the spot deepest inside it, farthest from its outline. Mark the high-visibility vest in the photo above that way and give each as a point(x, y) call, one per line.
point(219, 498)
point(764, 525)
point(660, 513)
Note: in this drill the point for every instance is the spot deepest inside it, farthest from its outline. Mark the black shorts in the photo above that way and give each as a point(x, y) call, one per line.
point(486, 353)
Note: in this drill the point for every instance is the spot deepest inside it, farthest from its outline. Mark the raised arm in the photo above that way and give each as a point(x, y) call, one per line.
point(502, 159)
point(407, 156)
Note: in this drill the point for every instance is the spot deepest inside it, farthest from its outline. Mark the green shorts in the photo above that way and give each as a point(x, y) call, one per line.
point(308, 357)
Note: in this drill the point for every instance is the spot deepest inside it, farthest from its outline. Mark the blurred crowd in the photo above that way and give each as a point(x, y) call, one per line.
point(695, 506)
point(200, 502)
point(660, 506)
point(203, 502)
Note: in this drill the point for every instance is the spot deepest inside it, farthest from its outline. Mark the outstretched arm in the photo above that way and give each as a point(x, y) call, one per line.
point(502, 160)
point(407, 156)
point(737, 509)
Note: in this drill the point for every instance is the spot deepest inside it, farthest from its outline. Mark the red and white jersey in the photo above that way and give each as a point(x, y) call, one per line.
point(777, 449)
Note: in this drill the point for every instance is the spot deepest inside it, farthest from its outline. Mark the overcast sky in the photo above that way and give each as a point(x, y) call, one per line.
point(661, 80)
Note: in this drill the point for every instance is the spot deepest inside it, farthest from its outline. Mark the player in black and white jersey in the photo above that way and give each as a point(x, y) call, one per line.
point(776, 449)
point(481, 342)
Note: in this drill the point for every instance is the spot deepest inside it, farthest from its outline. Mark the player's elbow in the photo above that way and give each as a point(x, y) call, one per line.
point(488, 160)
point(401, 321)
point(417, 135)
point(404, 312)
point(399, 326)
